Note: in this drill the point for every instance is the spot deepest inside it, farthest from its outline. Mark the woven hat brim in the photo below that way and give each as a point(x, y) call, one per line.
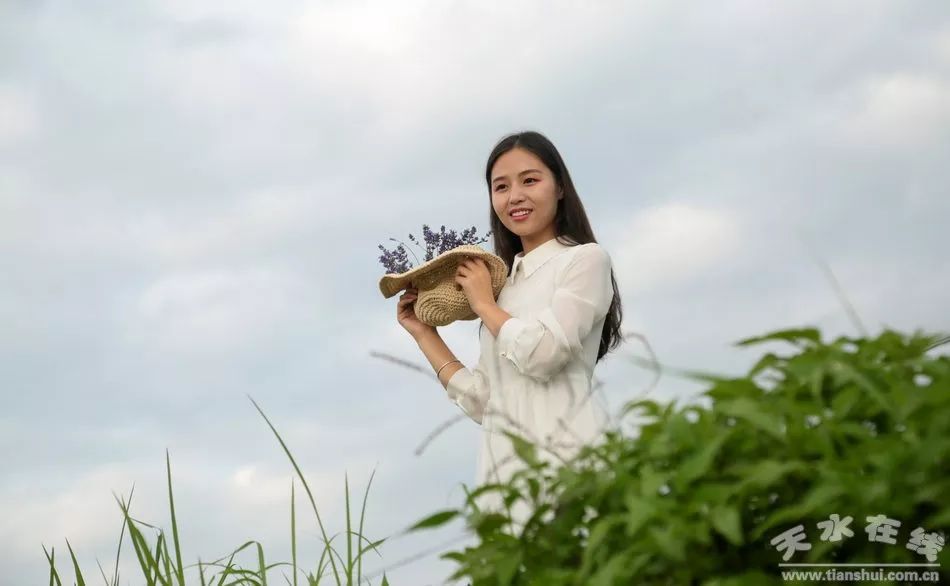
point(391, 284)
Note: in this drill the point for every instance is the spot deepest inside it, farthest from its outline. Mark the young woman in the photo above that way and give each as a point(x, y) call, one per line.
point(558, 314)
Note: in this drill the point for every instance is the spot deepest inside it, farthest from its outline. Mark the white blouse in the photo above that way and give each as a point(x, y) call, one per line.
point(535, 377)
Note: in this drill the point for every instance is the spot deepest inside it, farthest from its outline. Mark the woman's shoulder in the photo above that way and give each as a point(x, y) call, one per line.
point(590, 252)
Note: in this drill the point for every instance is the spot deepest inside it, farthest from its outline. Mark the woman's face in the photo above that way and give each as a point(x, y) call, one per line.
point(521, 181)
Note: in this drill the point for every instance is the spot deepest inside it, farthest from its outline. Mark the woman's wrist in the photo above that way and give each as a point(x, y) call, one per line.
point(482, 308)
point(425, 334)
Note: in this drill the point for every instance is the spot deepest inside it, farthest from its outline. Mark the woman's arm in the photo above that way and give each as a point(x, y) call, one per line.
point(467, 388)
point(541, 346)
point(492, 316)
point(436, 351)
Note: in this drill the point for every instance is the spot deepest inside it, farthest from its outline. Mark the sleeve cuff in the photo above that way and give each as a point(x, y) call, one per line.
point(462, 390)
point(460, 381)
point(508, 336)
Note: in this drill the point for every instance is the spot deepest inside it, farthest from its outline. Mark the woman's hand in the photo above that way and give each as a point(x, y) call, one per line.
point(474, 278)
point(406, 314)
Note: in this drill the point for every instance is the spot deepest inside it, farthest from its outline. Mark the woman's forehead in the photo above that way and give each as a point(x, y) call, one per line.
point(516, 161)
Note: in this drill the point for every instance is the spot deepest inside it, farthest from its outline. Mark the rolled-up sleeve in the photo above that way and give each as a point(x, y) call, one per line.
point(541, 347)
point(469, 389)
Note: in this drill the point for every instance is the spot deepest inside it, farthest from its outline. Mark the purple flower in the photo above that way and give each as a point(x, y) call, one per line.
point(434, 243)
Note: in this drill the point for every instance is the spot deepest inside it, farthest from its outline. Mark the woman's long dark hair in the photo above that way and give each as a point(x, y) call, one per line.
point(571, 224)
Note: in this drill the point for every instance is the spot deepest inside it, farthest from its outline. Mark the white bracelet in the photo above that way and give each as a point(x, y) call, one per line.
point(438, 372)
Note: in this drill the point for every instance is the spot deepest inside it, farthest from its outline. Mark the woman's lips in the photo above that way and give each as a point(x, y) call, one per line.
point(521, 218)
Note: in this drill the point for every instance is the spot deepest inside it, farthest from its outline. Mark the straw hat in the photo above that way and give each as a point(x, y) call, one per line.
point(441, 300)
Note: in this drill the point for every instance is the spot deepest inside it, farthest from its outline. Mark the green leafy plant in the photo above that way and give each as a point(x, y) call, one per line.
point(857, 427)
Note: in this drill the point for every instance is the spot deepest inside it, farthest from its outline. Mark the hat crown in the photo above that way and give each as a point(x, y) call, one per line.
point(435, 280)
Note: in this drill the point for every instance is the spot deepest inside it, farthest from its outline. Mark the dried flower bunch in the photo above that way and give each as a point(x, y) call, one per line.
point(397, 261)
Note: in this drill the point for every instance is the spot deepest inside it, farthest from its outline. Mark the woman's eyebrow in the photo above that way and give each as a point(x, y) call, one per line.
point(526, 171)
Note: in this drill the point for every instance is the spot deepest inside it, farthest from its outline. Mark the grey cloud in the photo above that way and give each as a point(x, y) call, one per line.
point(195, 215)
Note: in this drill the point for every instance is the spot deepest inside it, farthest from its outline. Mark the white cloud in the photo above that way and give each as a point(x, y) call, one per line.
point(210, 506)
point(19, 118)
point(253, 224)
point(196, 12)
point(214, 310)
point(941, 45)
point(903, 110)
point(255, 486)
point(669, 244)
point(84, 512)
point(423, 64)
point(181, 151)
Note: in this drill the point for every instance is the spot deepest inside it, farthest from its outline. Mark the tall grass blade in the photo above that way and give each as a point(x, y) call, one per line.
point(359, 561)
point(53, 574)
point(118, 550)
point(146, 561)
point(293, 530)
point(179, 570)
point(167, 559)
point(261, 564)
point(79, 579)
point(103, 572)
point(349, 537)
point(201, 572)
point(306, 486)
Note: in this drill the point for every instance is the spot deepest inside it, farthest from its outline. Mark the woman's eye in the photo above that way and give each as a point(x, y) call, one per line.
point(530, 179)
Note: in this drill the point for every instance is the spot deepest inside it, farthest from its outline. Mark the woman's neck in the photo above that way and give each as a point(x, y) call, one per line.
point(530, 243)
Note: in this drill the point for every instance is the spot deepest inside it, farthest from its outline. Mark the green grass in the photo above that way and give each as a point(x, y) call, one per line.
point(160, 561)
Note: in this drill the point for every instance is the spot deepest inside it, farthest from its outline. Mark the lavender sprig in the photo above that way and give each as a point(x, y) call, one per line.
point(397, 260)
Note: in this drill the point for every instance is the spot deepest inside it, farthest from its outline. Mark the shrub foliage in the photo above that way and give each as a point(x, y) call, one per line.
point(856, 427)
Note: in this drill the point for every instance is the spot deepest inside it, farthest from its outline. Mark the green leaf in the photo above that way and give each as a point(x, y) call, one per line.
point(699, 463)
point(525, 450)
point(610, 573)
point(849, 372)
point(639, 511)
point(507, 567)
point(598, 534)
point(726, 521)
point(79, 578)
point(650, 408)
point(754, 413)
point(768, 361)
point(736, 388)
point(806, 336)
point(489, 523)
point(435, 520)
point(651, 481)
point(668, 542)
point(765, 473)
point(820, 497)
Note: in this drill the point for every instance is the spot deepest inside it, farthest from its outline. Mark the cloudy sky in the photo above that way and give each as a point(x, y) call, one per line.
point(192, 195)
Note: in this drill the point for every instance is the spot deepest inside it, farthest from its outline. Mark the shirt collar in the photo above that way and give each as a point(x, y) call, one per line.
point(533, 260)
